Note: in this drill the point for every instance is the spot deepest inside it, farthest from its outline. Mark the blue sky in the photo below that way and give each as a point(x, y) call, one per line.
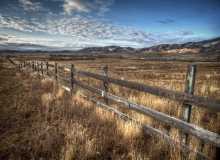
point(74, 24)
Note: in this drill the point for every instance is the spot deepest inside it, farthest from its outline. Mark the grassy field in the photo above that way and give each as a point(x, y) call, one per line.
point(40, 120)
point(169, 75)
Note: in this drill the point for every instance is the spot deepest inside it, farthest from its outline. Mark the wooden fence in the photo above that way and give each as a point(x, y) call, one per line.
point(186, 128)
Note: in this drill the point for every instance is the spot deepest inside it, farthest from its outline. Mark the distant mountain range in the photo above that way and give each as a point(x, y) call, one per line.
point(212, 45)
point(207, 48)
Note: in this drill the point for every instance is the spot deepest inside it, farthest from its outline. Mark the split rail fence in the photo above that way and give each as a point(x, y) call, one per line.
point(60, 72)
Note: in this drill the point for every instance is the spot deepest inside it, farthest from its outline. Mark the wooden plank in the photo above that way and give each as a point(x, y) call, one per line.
point(106, 83)
point(72, 77)
point(213, 105)
point(187, 108)
point(38, 67)
point(169, 120)
point(42, 68)
point(19, 67)
point(189, 128)
point(55, 69)
point(47, 68)
point(11, 61)
point(148, 129)
point(33, 66)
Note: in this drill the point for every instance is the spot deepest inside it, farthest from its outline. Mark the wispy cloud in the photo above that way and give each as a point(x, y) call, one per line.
point(78, 32)
point(100, 6)
point(187, 33)
point(29, 5)
point(70, 6)
point(166, 21)
point(103, 6)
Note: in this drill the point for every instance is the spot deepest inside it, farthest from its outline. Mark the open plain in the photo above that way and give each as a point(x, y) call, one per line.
point(44, 121)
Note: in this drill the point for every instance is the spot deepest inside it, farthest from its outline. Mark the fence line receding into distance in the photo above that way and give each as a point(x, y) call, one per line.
point(59, 73)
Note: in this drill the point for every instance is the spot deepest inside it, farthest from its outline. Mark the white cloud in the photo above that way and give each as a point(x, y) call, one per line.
point(29, 5)
point(78, 32)
point(104, 6)
point(70, 6)
point(99, 6)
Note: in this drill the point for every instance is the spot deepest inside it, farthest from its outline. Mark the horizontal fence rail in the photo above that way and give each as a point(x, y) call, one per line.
point(192, 129)
point(148, 129)
point(207, 103)
point(66, 76)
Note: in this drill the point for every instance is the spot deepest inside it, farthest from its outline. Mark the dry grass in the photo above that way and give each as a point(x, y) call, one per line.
point(39, 120)
point(169, 75)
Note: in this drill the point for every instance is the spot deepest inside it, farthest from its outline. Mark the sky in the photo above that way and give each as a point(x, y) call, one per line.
point(75, 24)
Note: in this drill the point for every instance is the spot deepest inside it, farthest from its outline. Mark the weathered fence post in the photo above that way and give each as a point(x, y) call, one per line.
point(42, 68)
point(33, 66)
point(55, 69)
point(28, 64)
point(47, 67)
point(187, 108)
point(72, 77)
point(105, 82)
point(37, 67)
point(189, 88)
point(19, 66)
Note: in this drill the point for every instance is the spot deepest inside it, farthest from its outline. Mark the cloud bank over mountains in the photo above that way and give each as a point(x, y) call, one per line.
point(80, 24)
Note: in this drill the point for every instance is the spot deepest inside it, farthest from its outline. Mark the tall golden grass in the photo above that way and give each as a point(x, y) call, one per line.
point(169, 75)
point(39, 120)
